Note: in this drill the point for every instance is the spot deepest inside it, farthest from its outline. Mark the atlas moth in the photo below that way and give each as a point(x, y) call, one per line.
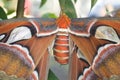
point(24, 43)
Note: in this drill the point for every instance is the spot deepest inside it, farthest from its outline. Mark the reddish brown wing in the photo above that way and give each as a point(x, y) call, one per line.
point(93, 42)
point(76, 66)
point(23, 43)
point(43, 66)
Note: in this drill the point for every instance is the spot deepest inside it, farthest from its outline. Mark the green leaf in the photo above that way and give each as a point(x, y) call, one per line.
point(93, 2)
point(3, 15)
point(43, 2)
point(49, 15)
point(75, 1)
point(52, 76)
point(68, 8)
point(10, 11)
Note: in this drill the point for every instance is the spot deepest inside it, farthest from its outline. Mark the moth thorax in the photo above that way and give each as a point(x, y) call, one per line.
point(63, 21)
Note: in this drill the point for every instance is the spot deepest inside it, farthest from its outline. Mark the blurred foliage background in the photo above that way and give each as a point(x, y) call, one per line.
point(51, 9)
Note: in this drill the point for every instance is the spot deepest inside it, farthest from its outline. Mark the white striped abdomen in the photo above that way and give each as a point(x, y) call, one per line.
point(61, 47)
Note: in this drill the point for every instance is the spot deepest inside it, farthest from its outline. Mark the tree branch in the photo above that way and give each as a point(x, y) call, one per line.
point(20, 9)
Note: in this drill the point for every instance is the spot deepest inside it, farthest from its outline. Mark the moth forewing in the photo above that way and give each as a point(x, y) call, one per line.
point(35, 45)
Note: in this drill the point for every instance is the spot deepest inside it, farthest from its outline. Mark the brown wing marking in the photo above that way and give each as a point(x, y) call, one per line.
point(43, 66)
point(37, 46)
point(88, 46)
point(76, 67)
